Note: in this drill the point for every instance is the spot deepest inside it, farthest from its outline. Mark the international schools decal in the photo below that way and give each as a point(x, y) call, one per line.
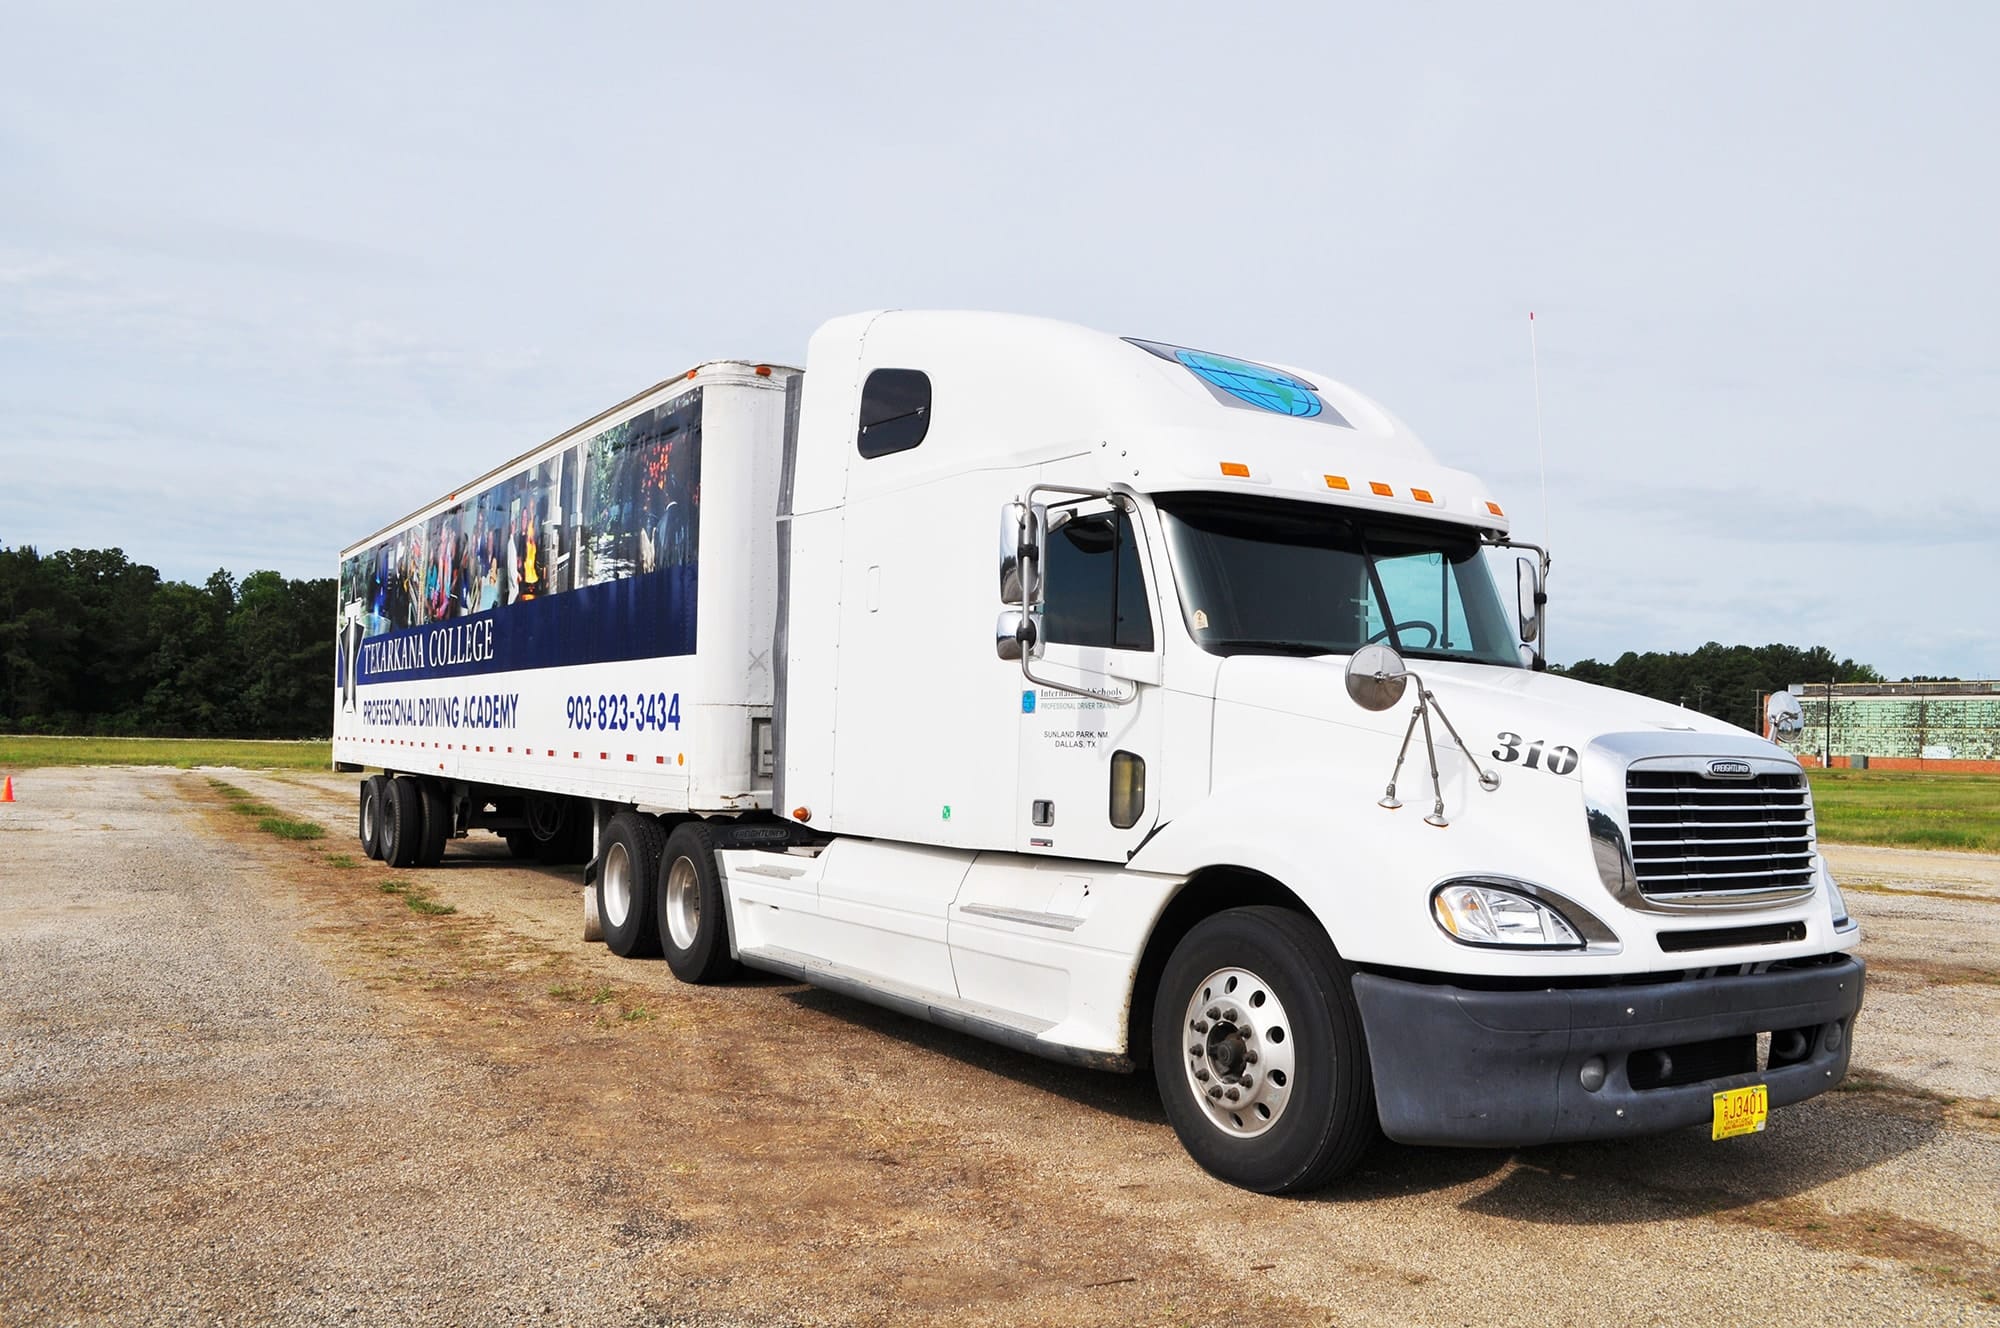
point(1236, 381)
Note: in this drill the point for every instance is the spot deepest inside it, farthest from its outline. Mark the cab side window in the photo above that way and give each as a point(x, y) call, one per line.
point(1095, 591)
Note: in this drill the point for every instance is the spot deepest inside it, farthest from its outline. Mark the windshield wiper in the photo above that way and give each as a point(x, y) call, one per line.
point(1233, 644)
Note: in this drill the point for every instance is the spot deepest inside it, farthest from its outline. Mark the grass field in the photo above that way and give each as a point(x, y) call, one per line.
point(1908, 809)
point(19, 752)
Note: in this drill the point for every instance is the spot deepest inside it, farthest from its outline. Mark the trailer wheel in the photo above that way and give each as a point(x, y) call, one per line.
point(402, 821)
point(694, 925)
point(371, 816)
point(1259, 1053)
point(437, 823)
point(624, 897)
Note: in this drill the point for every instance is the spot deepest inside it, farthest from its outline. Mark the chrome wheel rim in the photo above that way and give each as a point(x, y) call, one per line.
point(617, 885)
point(683, 903)
point(1238, 1052)
point(367, 818)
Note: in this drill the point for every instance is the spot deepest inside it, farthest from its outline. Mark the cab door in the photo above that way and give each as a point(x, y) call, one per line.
point(1084, 757)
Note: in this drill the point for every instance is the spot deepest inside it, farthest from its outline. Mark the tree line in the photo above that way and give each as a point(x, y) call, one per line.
point(94, 643)
point(1718, 680)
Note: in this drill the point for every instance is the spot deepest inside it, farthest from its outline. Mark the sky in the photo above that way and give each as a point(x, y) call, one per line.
point(271, 276)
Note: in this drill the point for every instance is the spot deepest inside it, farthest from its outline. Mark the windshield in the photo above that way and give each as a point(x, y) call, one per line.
point(1265, 576)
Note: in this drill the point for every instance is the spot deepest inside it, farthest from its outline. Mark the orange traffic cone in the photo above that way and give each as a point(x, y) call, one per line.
point(7, 790)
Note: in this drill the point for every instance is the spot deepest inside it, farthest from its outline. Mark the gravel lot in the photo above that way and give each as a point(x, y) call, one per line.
point(241, 1083)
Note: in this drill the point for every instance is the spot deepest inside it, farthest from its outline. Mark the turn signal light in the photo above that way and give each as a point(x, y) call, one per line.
point(1128, 789)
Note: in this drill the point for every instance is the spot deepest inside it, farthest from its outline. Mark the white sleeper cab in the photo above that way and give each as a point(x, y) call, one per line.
point(1125, 703)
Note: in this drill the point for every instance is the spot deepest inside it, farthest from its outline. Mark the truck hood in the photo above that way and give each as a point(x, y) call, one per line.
point(1484, 702)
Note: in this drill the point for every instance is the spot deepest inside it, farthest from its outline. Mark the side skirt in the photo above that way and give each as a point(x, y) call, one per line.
point(931, 1009)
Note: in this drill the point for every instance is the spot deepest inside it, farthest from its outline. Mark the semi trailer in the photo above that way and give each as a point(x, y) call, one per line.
point(1133, 705)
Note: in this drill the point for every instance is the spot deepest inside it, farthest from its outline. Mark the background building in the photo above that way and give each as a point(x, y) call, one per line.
point(1898, 725)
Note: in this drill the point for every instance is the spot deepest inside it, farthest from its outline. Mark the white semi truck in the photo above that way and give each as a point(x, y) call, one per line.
point(1228, 759)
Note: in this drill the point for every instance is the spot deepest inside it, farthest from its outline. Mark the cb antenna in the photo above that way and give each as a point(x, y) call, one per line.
point(1541, 451)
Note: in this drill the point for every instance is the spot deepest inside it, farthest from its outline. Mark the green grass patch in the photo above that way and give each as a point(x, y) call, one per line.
point(636, 1014)
point(1908, 809)
point(565, 992)
point(23, 752)
point(603, 996)
point(269, 819)
point(415, 897)
point(284, 827)
point(341, 860)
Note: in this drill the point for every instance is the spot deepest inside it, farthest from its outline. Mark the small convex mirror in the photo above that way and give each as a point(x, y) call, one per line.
point(1527, 598)
point(1376, 677)
point(1007, 634)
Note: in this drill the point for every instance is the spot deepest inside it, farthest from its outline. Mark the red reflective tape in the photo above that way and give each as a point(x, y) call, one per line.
point(628, 756)
point(604, 756)
point(659, 760)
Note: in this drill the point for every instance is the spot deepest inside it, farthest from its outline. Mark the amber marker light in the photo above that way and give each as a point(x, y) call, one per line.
point(1236, 470)
point(1422, 495)
point(1494, 508)
point(1380, 490)
point(1337, 482)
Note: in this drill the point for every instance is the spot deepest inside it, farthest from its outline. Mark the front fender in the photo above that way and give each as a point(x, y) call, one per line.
point(1366, 872)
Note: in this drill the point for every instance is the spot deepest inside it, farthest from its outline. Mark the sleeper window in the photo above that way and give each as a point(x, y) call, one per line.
point(895, 411)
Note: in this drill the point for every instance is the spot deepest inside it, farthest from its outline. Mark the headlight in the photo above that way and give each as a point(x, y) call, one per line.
point(1489, 915)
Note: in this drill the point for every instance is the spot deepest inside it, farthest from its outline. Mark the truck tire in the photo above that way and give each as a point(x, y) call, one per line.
point(694, 924)
point(402, 821)
point(371, 816)
point(624, 895)
point(1255, 1002)
point(520, 843)
point(437, 823)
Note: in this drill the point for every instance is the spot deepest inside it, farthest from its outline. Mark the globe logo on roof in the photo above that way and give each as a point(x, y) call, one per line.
point(1235, 382)
point(1268, 388)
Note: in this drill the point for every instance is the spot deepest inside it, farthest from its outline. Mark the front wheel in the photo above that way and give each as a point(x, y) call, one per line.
point(1259, 1053)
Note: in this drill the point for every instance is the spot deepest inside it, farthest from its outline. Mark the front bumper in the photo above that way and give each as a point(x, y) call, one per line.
point(1507, 1068)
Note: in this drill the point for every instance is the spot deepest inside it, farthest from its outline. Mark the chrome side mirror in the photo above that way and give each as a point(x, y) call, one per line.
point(1528, 599)
point(1376, 677)
point(1013, 516)
point(1023, 531)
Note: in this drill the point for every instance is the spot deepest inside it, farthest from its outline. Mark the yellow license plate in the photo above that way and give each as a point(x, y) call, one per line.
point(1741, 1111)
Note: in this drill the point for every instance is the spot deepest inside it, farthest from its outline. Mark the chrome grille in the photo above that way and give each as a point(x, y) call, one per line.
point(1692, 835)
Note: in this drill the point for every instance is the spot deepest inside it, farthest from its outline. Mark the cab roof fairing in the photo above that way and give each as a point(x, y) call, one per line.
point(1138, 411)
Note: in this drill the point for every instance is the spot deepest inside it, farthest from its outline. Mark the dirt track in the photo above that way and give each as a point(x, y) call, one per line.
point(241, 1083)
